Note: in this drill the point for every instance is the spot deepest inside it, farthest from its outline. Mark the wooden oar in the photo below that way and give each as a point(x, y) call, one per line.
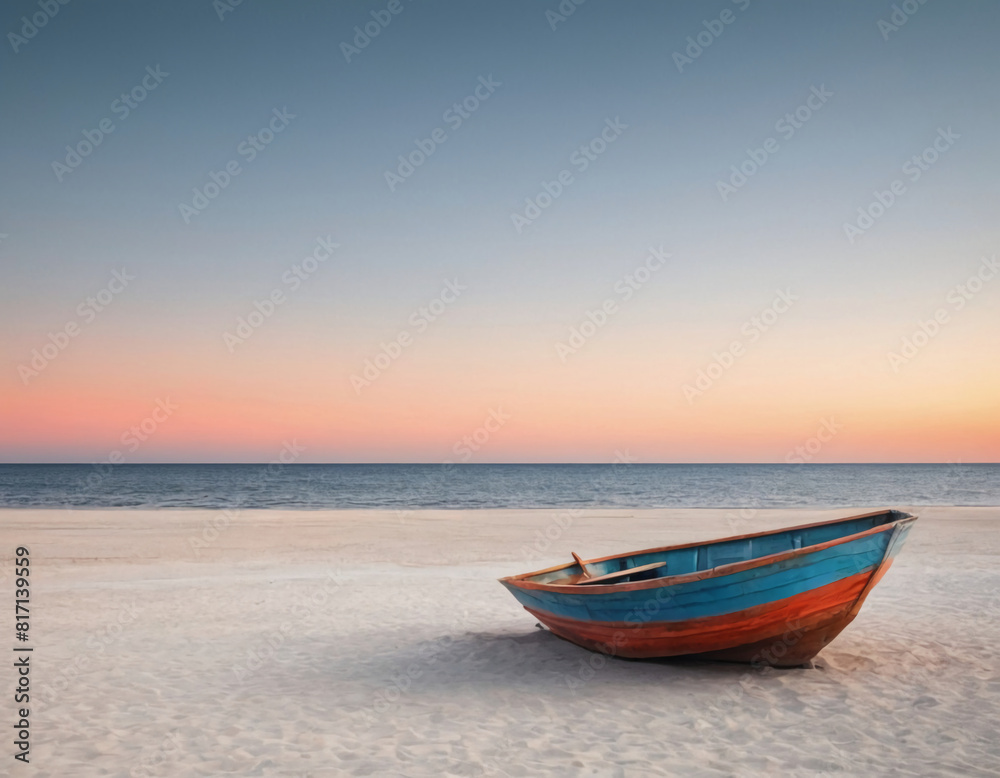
point(585, 578)
point(620, 573)
point(583, 565)
point(575, 577)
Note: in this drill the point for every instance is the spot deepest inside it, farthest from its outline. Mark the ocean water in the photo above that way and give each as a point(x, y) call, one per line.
point(496, 486)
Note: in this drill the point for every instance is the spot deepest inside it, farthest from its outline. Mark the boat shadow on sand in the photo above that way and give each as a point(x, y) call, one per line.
point(545, 651)
point(543, 662)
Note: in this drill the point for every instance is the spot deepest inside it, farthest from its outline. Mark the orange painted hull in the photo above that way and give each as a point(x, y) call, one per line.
point(783, 633)
point(775, 598)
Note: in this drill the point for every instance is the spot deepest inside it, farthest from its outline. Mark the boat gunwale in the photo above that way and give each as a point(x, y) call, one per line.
point(732, 567)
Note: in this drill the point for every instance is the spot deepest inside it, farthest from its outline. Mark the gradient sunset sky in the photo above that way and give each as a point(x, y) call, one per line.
point(678, 371)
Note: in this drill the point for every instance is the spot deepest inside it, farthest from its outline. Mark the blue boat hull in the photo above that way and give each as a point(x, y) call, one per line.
point(793, 601)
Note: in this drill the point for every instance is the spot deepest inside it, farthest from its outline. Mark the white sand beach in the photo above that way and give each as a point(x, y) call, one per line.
point(329, 643)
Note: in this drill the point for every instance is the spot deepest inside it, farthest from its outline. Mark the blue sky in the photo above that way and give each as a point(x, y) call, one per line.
point(324, 174)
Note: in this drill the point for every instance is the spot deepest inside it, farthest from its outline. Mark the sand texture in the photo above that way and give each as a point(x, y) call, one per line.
point(258, 643)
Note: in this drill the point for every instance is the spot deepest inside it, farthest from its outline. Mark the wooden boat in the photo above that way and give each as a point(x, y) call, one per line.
point(770, 598)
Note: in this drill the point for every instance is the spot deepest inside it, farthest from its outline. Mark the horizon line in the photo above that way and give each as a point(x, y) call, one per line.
point(483, 464)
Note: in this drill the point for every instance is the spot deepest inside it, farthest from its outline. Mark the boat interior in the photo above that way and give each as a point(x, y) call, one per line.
point(680, 560)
